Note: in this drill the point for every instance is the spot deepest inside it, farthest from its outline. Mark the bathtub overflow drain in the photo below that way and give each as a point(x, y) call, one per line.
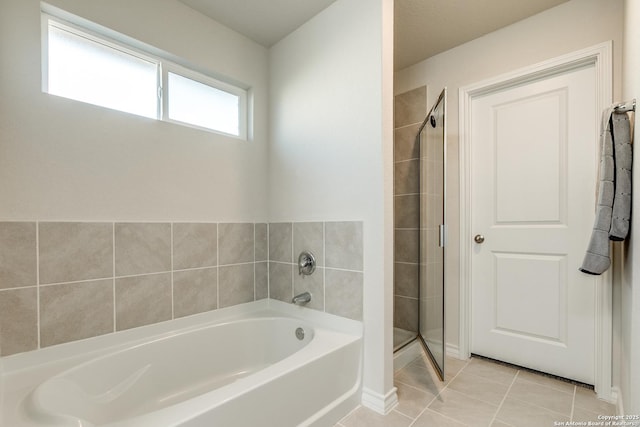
point(300, 333)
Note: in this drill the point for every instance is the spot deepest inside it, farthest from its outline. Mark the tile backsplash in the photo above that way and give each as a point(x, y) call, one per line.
point(65, 281)
point(336, 285)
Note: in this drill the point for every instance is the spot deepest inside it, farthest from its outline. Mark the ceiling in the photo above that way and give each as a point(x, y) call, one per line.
point(423, 28)
point(264, 21)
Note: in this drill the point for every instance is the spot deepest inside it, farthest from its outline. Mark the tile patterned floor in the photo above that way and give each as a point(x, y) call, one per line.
point(478, 392)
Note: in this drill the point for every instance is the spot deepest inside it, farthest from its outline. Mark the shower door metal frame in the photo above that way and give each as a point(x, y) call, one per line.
point(442, 98)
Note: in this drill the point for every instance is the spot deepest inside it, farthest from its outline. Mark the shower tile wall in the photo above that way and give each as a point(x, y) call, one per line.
point(65, 281)
point(336, 285)
point(410, 110)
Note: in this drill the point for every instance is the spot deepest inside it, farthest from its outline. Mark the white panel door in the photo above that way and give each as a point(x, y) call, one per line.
point(534, 167)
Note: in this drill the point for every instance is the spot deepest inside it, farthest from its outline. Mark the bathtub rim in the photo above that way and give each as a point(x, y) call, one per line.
point(77, 352)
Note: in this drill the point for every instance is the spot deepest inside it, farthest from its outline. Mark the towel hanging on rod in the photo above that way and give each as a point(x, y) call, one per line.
point(614, 195)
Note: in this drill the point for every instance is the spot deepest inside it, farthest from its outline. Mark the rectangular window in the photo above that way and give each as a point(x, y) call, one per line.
point(82, 65)
point(201, 105)
point(86, 70)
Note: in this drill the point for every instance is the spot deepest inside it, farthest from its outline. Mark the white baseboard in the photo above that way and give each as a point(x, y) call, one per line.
point(454, 351)
point(382, 404)
point(615, 391)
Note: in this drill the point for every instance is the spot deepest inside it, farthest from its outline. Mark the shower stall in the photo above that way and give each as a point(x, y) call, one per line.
point(428, 283)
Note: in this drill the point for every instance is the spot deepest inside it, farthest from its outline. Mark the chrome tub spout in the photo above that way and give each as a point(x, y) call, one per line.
point(302, 298)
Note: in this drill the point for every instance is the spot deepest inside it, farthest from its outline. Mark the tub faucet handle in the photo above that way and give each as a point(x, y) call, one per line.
point(306, 263)
point(302, 298)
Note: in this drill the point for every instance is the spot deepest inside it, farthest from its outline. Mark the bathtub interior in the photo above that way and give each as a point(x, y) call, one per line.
point(165, 371)
point(111, 388)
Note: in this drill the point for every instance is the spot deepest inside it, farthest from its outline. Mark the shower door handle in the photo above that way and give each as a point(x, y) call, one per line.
point(441, 232)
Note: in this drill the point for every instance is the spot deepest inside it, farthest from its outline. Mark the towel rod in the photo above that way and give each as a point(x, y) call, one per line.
point(625, 106)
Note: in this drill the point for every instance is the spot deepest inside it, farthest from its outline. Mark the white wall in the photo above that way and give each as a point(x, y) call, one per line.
point(571, 26)
point(328, 96)
point(331, 113)
point(64, 160)
point(629, 329)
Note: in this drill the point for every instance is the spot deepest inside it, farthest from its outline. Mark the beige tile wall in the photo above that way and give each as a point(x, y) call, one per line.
point(410, 110)
point(336, 286)
point(65, 281)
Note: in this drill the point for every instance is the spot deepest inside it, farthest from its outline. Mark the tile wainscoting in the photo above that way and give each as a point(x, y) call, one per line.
point(66, 281)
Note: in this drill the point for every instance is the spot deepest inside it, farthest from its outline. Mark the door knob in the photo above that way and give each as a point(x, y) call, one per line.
point(479, 238)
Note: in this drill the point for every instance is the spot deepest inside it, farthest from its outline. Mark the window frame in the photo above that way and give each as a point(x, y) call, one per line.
point(172, 67)
point(98, 39)
point(124, 44)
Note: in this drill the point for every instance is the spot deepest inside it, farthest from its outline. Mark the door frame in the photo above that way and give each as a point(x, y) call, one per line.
point(600, 57)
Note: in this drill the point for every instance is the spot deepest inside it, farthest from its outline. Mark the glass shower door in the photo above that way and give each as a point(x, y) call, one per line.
point(432, 233)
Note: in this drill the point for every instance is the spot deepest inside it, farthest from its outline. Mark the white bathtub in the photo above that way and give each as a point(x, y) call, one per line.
point(240, 366)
